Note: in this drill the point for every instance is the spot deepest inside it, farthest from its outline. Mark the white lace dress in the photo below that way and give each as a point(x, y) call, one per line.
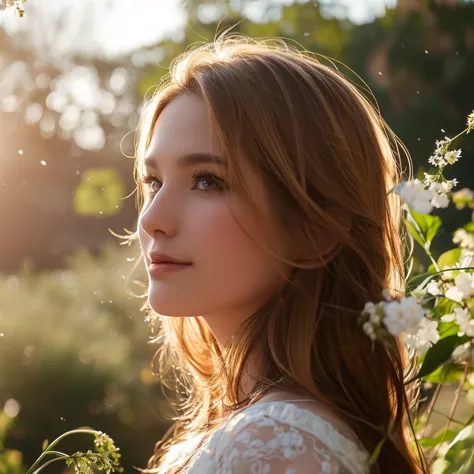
point(276, 437)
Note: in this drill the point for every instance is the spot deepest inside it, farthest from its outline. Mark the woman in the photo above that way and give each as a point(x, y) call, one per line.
point(264, 176)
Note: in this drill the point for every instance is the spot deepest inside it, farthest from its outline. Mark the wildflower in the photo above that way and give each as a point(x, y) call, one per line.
point(416, 196)
point(433, 288)
point(470, 122)
point(369, 330)
point(426, 336)
point(448, 273)
point(462, 198)
point(463, 320)
point(464, 239)
point(373, 323)
point(404, 315)
point(465, 284)
point(451, 156)
point(440, 201)
point(462, 353)
point(429, 179)
point(439, 157)
point(454, 294)
point(466, 258)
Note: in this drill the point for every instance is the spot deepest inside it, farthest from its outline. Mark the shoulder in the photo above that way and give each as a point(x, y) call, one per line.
point(280, 437)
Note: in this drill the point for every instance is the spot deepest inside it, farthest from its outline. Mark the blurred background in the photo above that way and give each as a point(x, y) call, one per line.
point(73, 77)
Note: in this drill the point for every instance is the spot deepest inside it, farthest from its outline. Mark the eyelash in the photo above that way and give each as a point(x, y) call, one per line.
point(197, 175)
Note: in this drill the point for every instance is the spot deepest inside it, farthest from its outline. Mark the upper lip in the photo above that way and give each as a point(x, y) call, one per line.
point(156, 257)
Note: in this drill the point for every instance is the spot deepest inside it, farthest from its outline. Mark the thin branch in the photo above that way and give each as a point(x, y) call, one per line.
point(431, 406)
point(454, 404)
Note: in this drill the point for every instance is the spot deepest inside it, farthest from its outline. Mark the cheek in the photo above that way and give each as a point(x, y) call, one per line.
point(229, 255)
point(220, 236)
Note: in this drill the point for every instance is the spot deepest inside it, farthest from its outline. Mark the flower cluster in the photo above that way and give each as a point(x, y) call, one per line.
point(404, 318)
point(106, 458)
point(454, 287)
point(416, 196)
point(470, 122)
point(443, 155)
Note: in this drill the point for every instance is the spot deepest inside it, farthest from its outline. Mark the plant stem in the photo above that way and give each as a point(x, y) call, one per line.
point(50, 462)
point(422, 275)
point(52, 444)
point(455, 402)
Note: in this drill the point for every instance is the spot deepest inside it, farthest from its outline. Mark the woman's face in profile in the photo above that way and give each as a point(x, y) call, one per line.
point(187, 216)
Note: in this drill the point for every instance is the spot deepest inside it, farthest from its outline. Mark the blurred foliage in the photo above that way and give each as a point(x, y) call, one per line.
point(100, 192)
point(10, 459)
point(73, 352)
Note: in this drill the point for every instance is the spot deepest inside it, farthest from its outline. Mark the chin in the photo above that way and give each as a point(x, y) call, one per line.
point(168, 308)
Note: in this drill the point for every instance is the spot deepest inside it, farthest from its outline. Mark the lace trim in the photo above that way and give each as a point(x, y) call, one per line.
point(352, 455)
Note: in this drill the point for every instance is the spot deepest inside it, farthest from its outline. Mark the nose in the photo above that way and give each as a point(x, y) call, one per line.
point(159, 214)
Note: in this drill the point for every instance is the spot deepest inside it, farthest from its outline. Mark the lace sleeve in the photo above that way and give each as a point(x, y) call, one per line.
point(268, 446)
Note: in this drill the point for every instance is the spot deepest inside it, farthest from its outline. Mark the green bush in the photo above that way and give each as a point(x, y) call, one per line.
point(74, 352)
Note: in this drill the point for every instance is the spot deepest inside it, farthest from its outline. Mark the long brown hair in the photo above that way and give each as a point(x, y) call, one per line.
point(318, 143)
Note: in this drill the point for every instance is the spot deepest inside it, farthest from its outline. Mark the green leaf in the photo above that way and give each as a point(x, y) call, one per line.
point(45, 444)
point(439, 354)
point(463, 441)
point(414, 232)
point(469, 227)
point(428, 225)
point(447, 435)
point(446, 374)
point(446, 329)
point(421, 288)
point(444, 306)
point(449, 258)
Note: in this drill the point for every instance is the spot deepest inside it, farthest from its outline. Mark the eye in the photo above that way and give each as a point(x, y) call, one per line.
point(209, 177)
point(148, 180)
point(212, 182)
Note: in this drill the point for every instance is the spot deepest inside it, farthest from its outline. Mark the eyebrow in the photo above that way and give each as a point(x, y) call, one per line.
point(190, 159)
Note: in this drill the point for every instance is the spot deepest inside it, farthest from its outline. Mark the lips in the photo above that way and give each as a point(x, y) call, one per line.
point(156, 257)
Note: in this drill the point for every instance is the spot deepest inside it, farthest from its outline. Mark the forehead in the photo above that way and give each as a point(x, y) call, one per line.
point(182, 127)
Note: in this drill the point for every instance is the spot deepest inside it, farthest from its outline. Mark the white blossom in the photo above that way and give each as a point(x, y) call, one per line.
point(465, 284)
point(454, 294)
point(463, 319)
point(416, 196)
point(462, 353)
point(440, 201)
point(433, 288)
point(429, 179)
point(448, 274)
point(403, 315)
point(465, 261)
point(373, 315)
point(466, 258)
point(369, 330)
point(440, 157)
point(459, 196)
point(451, 156)
point(470, 122)
point(426, 336)
point(464, 239)
point(447, 318)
